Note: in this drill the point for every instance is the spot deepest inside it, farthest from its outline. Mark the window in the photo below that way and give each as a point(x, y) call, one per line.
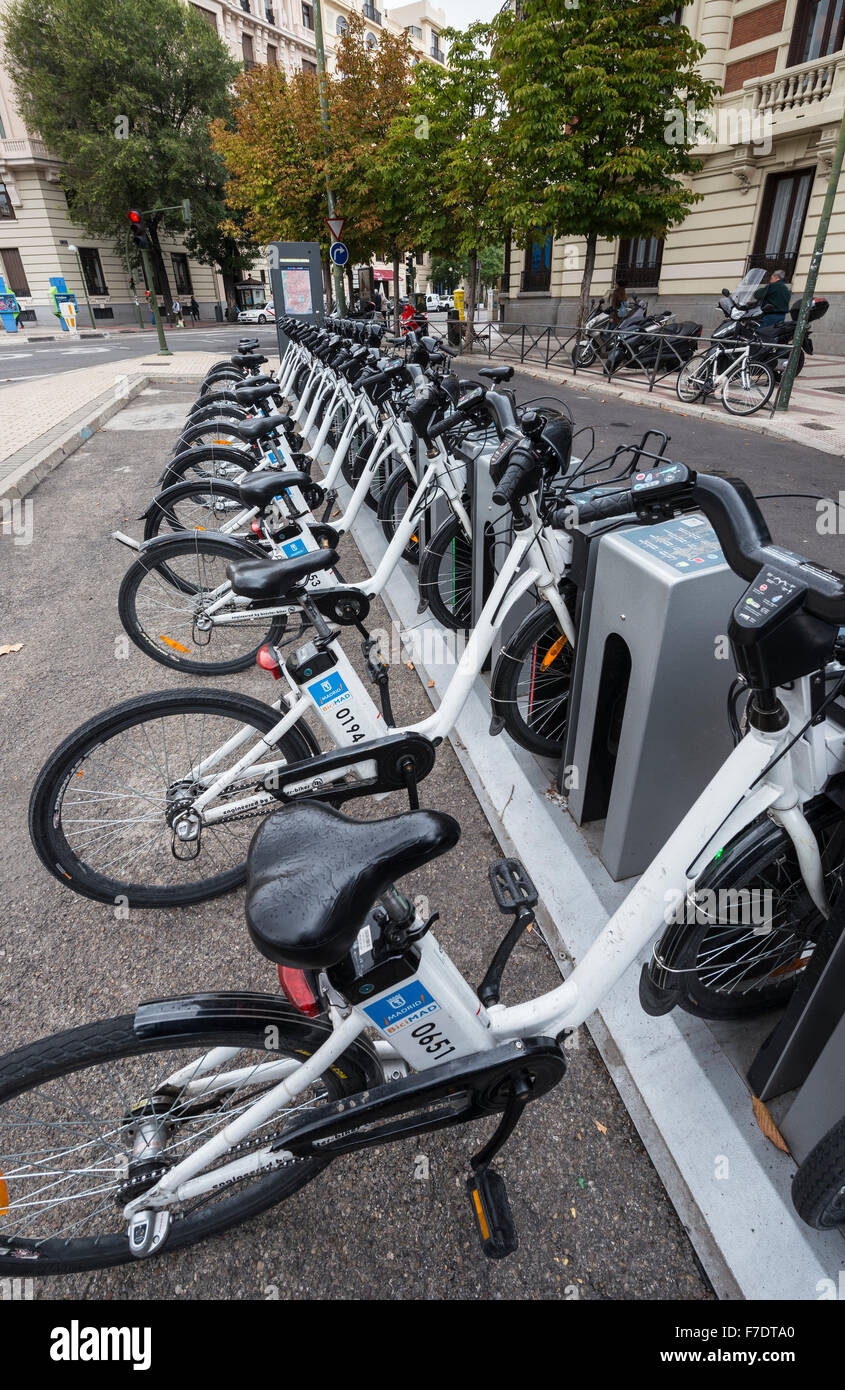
point(208, 15)
point(6, 209)
point(308, 16)
point(92, 270)
point(13, 271)
point(640, 259)
point(309, 67)
point(248, 51)
point(341, 25)
point(371, 40)
point(818, 31)
point(181, 273)
point(782, 213)
point(272, 56)
point(537, 275)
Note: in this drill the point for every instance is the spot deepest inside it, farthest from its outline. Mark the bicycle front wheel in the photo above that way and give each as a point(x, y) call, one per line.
point(393, 505)
point(747, 388)
point(532, 681)
point(88, 1118)
point(201, 505)
point(445, 578)
point(163, 605)
point(102, 808)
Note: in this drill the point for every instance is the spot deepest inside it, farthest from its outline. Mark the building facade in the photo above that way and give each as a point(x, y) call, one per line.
point(40, 245)
point(764, 175)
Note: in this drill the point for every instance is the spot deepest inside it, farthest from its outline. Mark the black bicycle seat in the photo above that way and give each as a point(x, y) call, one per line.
point(274, 579)
point(313, 875)
point(258, 489)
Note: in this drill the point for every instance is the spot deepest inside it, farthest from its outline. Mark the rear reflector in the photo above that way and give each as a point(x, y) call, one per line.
point(297, 990)
point(268, 662)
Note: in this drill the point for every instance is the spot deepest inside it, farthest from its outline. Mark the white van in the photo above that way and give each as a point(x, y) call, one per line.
point(432, 303)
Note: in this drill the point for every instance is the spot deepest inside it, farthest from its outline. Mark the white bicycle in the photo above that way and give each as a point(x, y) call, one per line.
point(154, 1130)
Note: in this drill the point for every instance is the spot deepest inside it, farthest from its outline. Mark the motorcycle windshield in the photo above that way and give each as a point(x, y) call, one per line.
point(751, 281)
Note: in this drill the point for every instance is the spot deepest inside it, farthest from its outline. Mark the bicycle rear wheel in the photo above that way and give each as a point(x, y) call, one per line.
point(445, 577)
point(747, 388)
point(393, 504)
point(695, 378)
point(73, 1151)
point(532, 681)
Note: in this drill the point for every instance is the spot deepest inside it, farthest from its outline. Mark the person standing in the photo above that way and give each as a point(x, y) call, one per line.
point(618, 301)
point(774, 299)
point(176, 310)
point(195, 310)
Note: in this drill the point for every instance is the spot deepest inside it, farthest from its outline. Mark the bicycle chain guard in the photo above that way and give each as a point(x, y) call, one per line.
point(401, 760)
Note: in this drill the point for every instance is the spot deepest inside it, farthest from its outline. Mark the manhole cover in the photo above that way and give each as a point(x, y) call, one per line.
point(811, 425)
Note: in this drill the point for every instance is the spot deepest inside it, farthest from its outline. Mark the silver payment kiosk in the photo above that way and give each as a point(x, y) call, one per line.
point(649, 726)
point(296, 279)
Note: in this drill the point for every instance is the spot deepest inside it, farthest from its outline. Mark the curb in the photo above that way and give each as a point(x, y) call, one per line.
point(575, 381)
point(707, 1109)
point(29, 472)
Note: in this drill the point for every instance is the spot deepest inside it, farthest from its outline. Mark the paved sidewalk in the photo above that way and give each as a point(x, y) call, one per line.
point(47, 419)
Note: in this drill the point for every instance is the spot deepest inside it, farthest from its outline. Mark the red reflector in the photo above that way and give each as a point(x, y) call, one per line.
point(255, 526)
point(268, 662)
point(297, 990)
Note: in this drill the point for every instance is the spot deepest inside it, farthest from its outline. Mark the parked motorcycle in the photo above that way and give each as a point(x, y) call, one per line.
point(669, 347)
point(777, 339)
point(633, 338)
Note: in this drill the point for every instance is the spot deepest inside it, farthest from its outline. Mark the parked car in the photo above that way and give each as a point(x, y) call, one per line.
point(447, 301)
point(258, 313)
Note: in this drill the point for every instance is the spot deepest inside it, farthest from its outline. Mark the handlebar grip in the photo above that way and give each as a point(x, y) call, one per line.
point(512, 482)
point(441, 426)
point(604, 507)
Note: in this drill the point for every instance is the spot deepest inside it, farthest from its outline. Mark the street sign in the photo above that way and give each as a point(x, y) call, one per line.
point(336, 226)
point(339, 253)
point(68, 313)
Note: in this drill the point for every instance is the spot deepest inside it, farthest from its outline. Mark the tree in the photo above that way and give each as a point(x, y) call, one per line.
point(592, 90)
point(369, 94)
point(123, 92)
point(449, 155)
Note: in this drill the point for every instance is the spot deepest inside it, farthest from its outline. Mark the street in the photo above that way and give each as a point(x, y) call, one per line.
point(33, 361)
point(593, 1218)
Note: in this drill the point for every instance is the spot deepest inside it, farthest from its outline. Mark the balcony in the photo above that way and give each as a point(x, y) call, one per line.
point(437, 53)
point(269, 16)
point(414, 30)
point(786, 261)
point(798, 91)
point(371, 13)
point(29, 151)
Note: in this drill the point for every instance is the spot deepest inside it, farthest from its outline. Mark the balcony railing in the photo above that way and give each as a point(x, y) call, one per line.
point(25, 151)
point(786, 261)
point(797, 88)
point(414, 30)
point(437, 53)
point(370, 12)
point(269, 16)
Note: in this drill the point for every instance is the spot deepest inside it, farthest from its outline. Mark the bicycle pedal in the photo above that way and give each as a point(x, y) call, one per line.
point(148, 1231)
point(488, 1198)
point(511, 885)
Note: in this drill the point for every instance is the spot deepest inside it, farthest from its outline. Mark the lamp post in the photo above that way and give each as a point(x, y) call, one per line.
point(75, 250)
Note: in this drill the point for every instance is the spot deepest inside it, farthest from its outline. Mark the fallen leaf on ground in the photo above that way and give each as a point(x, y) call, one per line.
point(600, 1127)
point(10, 647)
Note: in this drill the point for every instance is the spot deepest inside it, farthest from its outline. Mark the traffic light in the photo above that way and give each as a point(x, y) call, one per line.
point(140, 236)
point(410, 269)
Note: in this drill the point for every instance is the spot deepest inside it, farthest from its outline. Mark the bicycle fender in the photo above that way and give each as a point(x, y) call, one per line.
point(221, 1012)
point(241, 547)
point(172, 494)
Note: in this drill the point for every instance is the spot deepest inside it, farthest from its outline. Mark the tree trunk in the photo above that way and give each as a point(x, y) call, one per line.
point(586, 281)
point(327, 284)
point(395, 251)
point(351, 287)
point(472, 281)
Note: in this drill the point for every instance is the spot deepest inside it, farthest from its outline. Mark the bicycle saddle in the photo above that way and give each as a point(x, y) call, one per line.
point(247, 359)
point(313, 875)
point(276, 578)
point(259, 489)
point(252, 394)
point(496, 373)
point(260, 426)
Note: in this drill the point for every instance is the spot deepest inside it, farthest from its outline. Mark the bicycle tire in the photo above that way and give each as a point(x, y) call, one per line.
point(65, 762)
point(393, 503)
point(688, 371)
point(216, 498)
point(175, 606)
point(818, 1187)
point(535, 668)
point(109, 1041)
point(734, 405)
point(445, 576)
point(206, 461)
point(761, 857)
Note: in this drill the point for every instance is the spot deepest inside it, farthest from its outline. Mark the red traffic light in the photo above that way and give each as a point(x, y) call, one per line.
point(135, 216)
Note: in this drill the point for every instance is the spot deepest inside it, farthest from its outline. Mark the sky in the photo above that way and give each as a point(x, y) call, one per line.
point(459, 13)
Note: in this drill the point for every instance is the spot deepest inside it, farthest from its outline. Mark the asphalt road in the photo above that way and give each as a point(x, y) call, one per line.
point(594, 1220)
point(24, 361)
point(774, 470)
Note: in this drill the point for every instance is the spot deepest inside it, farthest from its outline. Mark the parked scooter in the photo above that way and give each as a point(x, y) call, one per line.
point(777, 339)
point(634, 337)
point(669, 347)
